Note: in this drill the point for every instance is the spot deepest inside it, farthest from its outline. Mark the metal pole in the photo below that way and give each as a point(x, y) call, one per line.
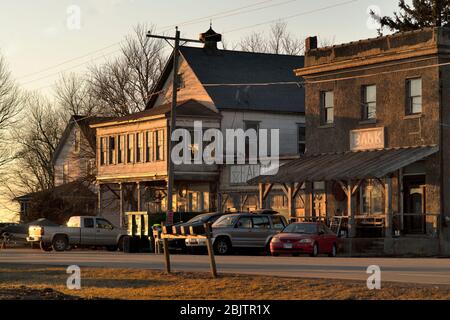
point(173, 121)
point(166, 254)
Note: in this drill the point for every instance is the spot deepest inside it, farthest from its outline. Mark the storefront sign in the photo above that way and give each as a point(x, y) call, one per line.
point(367, 139)
point(241, 174)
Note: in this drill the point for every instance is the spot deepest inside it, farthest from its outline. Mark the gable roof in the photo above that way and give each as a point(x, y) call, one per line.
point(186, 108)
point(236, 67)
point(83, 122)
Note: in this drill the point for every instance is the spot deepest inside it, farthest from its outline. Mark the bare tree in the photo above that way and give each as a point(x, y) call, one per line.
point(37, 138)
point(279, 41)
point(123, 85)
point(10, 106)
point(74, 96)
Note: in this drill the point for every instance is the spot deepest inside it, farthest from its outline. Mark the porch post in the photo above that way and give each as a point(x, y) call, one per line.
point(99, 199)
point(291, 200)
point(121, 204)
point(219, 202)
point(388, 206)
point(350, 209)
point(138, 189)
point(261, 195)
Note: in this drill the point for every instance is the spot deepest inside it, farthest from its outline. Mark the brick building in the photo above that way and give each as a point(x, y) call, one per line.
point(378, 127)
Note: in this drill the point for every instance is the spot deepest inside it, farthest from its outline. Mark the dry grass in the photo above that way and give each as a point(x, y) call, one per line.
point(36, 282)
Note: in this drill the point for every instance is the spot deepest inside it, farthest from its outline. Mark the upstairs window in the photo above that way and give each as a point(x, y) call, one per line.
point(414, 96)
point(120, 149)
point(139, 147)
point(103, 151)
point(327, 106)
point(159, 145)
point(130, 148)
point(112, 150)
point(301, 138)
point(369, 102)
point(77, 142)
point(149, 146)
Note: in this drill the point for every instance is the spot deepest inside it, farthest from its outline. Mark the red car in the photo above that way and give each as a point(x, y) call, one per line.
point(300, 238)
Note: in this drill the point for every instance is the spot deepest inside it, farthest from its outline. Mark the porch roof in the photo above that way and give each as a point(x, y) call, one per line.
point(352, 165)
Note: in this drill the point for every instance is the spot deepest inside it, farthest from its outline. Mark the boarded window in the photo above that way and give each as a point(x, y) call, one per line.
point(149, 146)
point(103, 151)
point(120, 149)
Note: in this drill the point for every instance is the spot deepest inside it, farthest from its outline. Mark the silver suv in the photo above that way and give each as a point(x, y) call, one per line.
point(245, 230)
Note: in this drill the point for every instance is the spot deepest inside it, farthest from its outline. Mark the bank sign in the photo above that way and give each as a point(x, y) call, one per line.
point(367, 139)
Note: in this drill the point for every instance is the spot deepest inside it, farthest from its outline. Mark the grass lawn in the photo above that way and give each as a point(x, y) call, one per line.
point(41, 282)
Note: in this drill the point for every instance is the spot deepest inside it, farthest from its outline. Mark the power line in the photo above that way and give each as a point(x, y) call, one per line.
point(198, 20)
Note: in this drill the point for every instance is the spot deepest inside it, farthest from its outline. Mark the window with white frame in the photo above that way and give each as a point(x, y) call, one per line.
point(414, 96)
point(327, 102)
point(369, 102)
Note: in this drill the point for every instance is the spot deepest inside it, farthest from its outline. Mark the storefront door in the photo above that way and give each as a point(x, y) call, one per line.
point(414, 197)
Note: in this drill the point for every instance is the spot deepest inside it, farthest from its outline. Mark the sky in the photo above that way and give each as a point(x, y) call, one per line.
point(41, 39)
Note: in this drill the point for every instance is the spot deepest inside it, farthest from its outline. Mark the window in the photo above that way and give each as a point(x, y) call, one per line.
point(301, 138)
point(112, 150)
point(89, 222)
point(90, 167)
point(261, 223)
point(139, 147)
point(66, 173)
point(278, 223)
point(160, 145)
point(327, 107)
point(104, 224)
point(414, 96)
point(149, 146)
point(372, 197)
point(103, 151)
point(369, 102)
point(77, 142)
point(130, 148)
point(120, 149)
point(245, 223)
point(251, 125)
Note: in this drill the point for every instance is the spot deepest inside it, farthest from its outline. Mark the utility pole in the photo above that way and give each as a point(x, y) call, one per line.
point(173, 114)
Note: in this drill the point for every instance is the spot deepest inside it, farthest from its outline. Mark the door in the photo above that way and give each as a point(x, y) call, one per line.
point(88, 232)
point(105, 233)
point(415, 191)
point(261, 231)
point(242, 233)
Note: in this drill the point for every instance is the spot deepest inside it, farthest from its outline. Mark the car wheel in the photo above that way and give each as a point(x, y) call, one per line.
point(333, 252)
point(296, 254)
point(275, 254)
point(222, 246)
point(315, 251)
point(45, 247)
point(60, 243)
point(120, 244)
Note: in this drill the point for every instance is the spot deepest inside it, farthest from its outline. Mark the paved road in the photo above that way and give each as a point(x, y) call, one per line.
point(423, 271)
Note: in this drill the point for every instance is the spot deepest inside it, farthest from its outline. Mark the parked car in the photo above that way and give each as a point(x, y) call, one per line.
point(81, 231)
point(200, 244)
point(311, 238)
point(245, 230)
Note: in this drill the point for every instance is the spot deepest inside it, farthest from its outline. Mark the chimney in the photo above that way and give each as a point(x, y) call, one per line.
point(210, 38)
point(310, 43)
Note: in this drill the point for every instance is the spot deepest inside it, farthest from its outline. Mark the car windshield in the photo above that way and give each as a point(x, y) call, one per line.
point(301, 228)
point(199, 218)
point(225, 222)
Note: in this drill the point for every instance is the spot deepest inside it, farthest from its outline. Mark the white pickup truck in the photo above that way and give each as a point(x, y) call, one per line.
point(79, 232)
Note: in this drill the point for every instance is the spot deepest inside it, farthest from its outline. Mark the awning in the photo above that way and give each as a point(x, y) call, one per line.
point(348, 165)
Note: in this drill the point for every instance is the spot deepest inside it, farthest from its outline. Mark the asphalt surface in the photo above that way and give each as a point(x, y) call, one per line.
point(419, 271)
